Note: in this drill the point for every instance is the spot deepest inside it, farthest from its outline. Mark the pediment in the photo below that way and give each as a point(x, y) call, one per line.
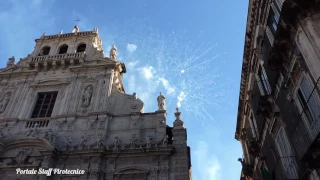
point(52, 82)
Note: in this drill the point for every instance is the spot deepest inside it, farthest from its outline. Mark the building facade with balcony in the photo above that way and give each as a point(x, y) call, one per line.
point(64, 107)
point(278, 122)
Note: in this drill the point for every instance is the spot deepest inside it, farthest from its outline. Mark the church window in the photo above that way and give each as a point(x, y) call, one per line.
point(44, 105)
point(81, 48)
point(44, 51)
point(63, 49)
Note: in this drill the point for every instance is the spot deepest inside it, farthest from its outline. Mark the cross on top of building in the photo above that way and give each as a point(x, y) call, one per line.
point(77, 21)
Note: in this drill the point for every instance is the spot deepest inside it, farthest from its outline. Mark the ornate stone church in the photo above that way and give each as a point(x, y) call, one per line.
point(64, 114)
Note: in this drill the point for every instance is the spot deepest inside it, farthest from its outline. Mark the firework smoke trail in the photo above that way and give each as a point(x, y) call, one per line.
point(191, 69)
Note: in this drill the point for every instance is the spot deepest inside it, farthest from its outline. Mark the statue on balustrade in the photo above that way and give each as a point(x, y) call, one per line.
point(113, 52)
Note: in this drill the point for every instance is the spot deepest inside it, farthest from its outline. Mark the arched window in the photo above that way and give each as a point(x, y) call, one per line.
point(81, 48)
point(44, 51)
point(63, 49)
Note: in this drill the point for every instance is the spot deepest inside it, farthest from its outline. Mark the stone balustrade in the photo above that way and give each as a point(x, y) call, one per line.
point(58, 57)
point(69, 34)
point(41, 123)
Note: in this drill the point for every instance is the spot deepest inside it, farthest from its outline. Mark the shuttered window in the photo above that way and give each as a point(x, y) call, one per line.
point(286, 156)
point(309, 101)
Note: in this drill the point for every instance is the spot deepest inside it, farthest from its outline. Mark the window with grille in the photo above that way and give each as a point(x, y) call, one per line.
point(44, 104)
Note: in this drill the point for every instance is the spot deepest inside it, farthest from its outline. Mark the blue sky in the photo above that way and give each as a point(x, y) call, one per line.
point(190, 50)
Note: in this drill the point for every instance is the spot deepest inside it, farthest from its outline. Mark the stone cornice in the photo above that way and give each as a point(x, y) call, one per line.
point(53, 82)
point(84, 66)
point(245, 64)
point(67, 35)
point(19, 72)
point(124, 153)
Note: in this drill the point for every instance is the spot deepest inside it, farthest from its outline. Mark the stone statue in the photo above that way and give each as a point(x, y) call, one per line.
point(82, 141)
point(133, 141)
point(4, 102)
point(75, 29)
point(100, 143)
point(116, 143)
point(161, 102)
point(86, 98)
point(113, 52)
point(148, 139)
point(165, 140)
point(67, 143)
point(10, 61)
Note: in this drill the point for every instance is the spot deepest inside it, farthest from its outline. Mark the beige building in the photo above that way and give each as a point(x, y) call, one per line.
point(64, 106)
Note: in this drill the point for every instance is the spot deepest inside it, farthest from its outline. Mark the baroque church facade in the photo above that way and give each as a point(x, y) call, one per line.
point(64, 107)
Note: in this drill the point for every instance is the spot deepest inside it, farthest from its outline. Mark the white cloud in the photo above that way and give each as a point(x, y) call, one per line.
point(148, 72)
point(181, 97)
point(207, 165)
point(167, 86)
point(132, 64)
point(131, 47)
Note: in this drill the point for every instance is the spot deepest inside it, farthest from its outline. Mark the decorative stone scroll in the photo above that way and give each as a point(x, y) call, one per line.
point(4, 101)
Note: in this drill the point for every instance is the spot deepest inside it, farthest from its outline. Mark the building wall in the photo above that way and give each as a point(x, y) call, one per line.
point(111, 138)
point(289, 51)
